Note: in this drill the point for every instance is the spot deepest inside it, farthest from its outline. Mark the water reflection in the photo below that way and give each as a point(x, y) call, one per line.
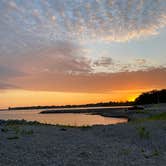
point(76, 119)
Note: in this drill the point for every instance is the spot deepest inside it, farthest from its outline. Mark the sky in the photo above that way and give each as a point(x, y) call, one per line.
point(56, 52)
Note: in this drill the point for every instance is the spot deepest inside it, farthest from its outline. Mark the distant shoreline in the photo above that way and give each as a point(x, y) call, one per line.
point(102, 104)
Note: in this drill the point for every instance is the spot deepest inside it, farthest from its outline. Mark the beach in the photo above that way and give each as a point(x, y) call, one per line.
point(82, 83)
point(134, 143)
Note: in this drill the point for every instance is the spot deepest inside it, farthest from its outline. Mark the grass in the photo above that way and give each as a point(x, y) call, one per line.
point(154, 153)
point(143, 133)
point(73, 126)
point(16, 130)
point(125, 151)
point(26, 132)
point(21, 122)
point(12, 137)
point(14, 125)
point(24, 122)
point(5, 129)
point(161, 116)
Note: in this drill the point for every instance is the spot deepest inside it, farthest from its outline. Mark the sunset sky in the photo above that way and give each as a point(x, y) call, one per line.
point(56, 52)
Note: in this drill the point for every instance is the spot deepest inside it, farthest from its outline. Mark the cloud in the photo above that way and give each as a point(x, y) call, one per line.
point(109, 20)
point(59, 57)
point(44, 36)
point(93, 82)
point(141, 61)
point(41, 41)
point(7, 86)
point(104, 62)
point(6, 72)
point(107, 64)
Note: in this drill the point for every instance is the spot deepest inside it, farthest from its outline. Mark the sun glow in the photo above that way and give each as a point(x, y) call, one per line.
point(31, 98)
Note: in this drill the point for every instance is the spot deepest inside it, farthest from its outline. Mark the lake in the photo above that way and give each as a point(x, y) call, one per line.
point(73, 119)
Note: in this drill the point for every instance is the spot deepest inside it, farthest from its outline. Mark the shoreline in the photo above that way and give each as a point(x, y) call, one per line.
point(130, 114)
point(32, 143)
point(141, 141)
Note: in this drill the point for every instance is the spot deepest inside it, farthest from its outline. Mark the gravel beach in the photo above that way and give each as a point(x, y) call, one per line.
point(131, 144)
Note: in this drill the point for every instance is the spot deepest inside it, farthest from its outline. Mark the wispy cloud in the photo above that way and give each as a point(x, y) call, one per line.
point(60, 57)
point(109, 65)
point(104, 62)
point(93, 82)
point(7, 71)
point(4, 86)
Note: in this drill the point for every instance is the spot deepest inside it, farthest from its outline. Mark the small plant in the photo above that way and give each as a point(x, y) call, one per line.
point(142, 150)
point(63, 129)
point(161, 116)
point(5, 129)
point(21, 122)
point(85, 127)
point(26, 132)
point(73, 126)
point(143, 133)
point(126, 151)
point(155, 153)
point(12, 137)
point(16, 129)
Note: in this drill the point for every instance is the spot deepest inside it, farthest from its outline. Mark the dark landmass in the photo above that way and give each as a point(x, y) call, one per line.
point(102, 104)
point(119, 112)
point(151, 97)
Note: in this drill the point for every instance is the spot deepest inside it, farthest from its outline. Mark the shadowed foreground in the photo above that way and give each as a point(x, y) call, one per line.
point(124, 144)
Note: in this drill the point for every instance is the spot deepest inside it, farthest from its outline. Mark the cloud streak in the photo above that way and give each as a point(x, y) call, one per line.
point(93, 82)
point(4, 86)
point(60, 57)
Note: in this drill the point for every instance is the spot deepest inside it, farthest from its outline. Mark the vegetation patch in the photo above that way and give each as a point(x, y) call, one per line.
point(5, 129)
point(154, 153)
point(85, 127)
point(16, 131)
point(12, 137)
point(26, 132)
point(64, 127)
point(143, 133)
point(21, 122)
point(161, 116)
point(125, 151)
point(151, 97)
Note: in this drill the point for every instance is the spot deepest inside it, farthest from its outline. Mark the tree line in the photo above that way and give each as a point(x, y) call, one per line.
point(151, 97)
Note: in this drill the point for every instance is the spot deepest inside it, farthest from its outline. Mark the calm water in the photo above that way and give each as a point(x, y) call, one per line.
point(76, 119)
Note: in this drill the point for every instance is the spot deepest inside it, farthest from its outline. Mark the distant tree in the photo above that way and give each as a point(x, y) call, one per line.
point(152, 97)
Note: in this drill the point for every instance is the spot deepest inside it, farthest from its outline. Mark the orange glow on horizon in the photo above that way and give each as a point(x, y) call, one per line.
point(14, 98)
point(132, 98)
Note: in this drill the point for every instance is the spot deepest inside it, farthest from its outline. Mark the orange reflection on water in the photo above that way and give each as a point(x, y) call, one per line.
point(76, 119)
